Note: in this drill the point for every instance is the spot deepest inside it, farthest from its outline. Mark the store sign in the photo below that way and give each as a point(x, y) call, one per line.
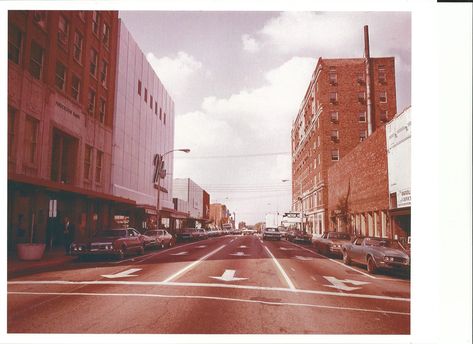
point(66, 109)
point(404, 198)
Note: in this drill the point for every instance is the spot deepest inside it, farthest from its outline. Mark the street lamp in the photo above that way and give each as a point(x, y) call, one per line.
point(160, 173)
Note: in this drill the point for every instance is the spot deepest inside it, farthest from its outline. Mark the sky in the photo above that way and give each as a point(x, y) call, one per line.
point(238, 79)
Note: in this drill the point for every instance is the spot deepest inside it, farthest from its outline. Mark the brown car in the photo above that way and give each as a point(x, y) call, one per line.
point(330, 243)
point(116, 242)
point(159, 238)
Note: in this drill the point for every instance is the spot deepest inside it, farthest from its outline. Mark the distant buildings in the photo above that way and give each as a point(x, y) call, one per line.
point(347, 101)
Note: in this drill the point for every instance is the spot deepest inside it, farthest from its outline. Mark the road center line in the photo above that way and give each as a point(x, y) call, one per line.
point(211, 298)
point(212, 285)
point(190, 266)
point(283, 273)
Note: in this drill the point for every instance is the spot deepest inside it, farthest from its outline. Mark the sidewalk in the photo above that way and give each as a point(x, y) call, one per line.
point(52, 257)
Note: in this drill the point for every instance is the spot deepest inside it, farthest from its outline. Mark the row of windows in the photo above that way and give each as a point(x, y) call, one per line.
point(360, 76)
point(335, 118)
point(36, 67)
point(162, 115)
point(361, 97)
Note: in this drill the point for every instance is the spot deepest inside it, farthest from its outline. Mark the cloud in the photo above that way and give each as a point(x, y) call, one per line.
point(176, 73)
point(249, 44)
point(251, 121)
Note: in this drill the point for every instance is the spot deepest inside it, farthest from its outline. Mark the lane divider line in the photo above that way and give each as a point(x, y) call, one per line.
point(212, 298)
point(212, 285)
point(283, 273)
point(190, 266)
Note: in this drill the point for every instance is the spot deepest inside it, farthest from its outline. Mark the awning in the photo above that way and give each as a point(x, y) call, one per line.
point(55, 186)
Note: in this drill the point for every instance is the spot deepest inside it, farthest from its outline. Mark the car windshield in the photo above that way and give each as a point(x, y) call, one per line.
point(339, 235)
point(113, 233)
point(151, 233)
point(272, 230)
point(383, 243)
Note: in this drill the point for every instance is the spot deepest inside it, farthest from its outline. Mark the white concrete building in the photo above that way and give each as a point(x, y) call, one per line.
point(143, 126)
point(186, 189)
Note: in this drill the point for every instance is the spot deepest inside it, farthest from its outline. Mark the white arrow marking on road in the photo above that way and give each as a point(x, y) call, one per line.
point(126, 273)
point(228, 275)
point(179, 254)
point(340, 284)
point(201, 246)
point(287, 249)
point(303, 258)
point(242, 246)
point(239, 254)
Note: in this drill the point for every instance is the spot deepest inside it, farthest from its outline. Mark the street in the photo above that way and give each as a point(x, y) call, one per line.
point(223, 285)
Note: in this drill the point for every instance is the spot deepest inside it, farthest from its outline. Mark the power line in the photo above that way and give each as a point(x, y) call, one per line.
point(231, 156)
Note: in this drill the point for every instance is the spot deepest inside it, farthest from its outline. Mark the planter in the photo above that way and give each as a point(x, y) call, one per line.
point(30, 251)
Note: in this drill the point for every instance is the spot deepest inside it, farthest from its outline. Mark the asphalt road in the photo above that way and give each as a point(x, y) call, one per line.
point(225, 285)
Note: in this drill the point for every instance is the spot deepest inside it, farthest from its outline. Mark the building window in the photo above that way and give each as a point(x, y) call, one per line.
point(95, 22)
point(155, 108)
point(63, 31)
point(106, 35)
point(335, 156)
point(31, 139)
point(150, 101)
point(60, 76)
point(36, 60)
point(384, 115)
point(15, 38)
point(139, 87)
point(381, 74)
point(81, 15)
point(40, 18)
point(318, 141)
point(164, 118)
point(87, 162)
point(11, 132)
point(104, 73)
point(362, 116)
point(91, 102)
point(334, 116)
point(102, 110)
point(75, 87)
point(333, 97)
point(360, 78)
point(98, 167)
point(160, 113)
point(334, 135)
point(361, 97)
point(93, 62)
point(362, 135)
point(146, 95)
point(332, 78)
point(63, 157)
point(383, 98)
point(78, 41)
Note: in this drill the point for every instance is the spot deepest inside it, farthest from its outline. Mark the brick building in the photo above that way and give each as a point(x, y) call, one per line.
point(358, 193)
point(61, 89)
point(345, 102)
point(218, 214)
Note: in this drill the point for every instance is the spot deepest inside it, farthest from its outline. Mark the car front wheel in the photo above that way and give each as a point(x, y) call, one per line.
point(371, 265)
point(346, 259)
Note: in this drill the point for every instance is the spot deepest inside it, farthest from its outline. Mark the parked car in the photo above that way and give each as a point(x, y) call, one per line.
point(162, 237)
point(150, 239)
point(271, 233)
point(376, 253)
point(201, 234)
point(331, 242)
point(116, 242)
point(301, 236)
point(186, 234)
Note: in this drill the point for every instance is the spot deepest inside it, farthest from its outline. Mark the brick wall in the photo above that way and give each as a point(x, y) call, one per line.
point(365, 169)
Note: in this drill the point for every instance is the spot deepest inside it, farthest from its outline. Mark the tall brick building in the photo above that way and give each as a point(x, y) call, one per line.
point(346, 101)
point(61, 89)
